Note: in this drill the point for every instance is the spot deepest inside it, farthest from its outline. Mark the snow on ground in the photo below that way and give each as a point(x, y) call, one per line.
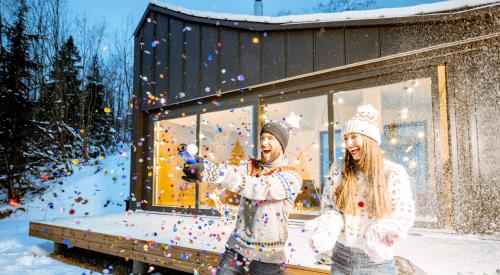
point(95, 189)
point(107, 183)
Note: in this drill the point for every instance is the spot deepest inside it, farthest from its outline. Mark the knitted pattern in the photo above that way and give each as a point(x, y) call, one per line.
point(362, 230)
point(267, 198)
point(365, 122)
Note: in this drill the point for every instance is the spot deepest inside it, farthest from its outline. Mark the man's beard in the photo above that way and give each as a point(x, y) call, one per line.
point(275, 154)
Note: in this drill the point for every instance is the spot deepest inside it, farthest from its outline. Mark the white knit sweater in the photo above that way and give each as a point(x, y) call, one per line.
point(361, 230)
point(266, 201)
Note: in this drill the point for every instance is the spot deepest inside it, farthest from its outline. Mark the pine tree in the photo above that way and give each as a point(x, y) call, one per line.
point(63, 104)
point(66, 82)
point(237, 153)
point(97, 118)
point(15, 107)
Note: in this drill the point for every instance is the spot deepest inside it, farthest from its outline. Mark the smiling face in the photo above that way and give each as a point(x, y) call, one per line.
point(353, 144)
point(270, 148)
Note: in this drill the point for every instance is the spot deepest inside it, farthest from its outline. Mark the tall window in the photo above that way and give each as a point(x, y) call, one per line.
point(405, 110)
point(169, 188)
point(225, 137)
point(307, 149)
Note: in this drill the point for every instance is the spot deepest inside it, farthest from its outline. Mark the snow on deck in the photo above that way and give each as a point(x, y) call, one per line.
point(203, 233)
point(417, 10)
point(432, 251)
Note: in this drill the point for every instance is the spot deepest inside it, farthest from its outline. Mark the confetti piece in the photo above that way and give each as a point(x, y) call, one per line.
point(71, 211)
point(101, 157)
point(82, 131)
point(241, 77)
point(75, 161)
point(255, 40)
point(107, 110)
point(14, 202)
point(162, 76)
point(45, 177)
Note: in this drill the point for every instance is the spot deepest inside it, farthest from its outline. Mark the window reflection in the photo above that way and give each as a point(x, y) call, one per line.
point(225, 136)
point(169, 188)
point(405, 110)
point(308, 147)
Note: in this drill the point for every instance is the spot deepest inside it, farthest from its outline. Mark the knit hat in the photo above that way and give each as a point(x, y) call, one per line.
point(365, 122)
point(281, 130)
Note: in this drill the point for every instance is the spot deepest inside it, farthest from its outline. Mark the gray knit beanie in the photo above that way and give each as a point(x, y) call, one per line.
point(281, 130)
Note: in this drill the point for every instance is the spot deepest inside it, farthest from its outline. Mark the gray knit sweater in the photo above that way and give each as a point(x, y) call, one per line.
point(267, 198)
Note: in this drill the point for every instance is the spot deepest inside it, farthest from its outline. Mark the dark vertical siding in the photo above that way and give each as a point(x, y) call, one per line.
point(209, 39)
point(176, 92)
point(147, 77)
point(192, 62)
point(161, 58)
point(135, 165)
point(329, 49)
point(229, 59)
point(273, 56)
point(476, 94)
point(250, 58)
point(299, 53)
point(362, 44)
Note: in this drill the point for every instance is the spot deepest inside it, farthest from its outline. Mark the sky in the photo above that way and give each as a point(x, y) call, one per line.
point(115, 12)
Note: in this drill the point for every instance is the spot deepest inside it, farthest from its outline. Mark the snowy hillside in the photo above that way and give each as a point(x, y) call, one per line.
point(92, 190)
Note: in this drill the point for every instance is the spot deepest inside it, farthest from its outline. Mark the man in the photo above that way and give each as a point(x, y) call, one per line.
point(268, 188)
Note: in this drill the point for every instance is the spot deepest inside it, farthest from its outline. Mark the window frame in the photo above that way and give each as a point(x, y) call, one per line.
point(233, 103)
point(350, 80)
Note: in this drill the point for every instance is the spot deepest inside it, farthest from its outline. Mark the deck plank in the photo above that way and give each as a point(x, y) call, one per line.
point(170, 256)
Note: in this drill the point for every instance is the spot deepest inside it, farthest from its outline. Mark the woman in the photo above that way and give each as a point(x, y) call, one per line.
point(368, 206)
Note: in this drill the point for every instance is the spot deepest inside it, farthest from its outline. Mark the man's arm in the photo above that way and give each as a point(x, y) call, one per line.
point(279, 185)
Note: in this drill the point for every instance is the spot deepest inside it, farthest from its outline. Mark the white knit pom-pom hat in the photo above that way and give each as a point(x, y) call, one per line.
point(365, 122)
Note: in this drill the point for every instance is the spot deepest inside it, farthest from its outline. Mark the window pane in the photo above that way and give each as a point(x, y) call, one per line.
point(225, 137)
point(406, 123)
point(169, 188)
point(307, 149)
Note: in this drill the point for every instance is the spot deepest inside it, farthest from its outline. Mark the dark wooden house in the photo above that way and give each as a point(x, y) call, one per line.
point(213, 79)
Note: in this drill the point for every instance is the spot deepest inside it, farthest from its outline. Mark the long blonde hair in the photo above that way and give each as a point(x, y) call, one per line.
point(371, 164)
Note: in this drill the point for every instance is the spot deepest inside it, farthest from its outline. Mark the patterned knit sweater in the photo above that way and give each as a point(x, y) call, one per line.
point(267, 197)
point(362, 230)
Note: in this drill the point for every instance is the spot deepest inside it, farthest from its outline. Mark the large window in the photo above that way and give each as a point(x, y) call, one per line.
point(169, 188)
point(307, 149)
point(406, 125)
point(225, 137)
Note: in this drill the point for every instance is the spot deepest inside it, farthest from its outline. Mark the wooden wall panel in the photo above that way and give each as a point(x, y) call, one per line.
point(273, 56)
point(161, 53)
point(146, 74)
point(250, 65)
point(329, 49)
point(192, 60)
point(209, 68)
point(362, 44)
point(176, 91)
point(299, 53)
point(229, 59)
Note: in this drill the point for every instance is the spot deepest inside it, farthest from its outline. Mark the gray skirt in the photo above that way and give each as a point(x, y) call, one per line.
point(352, 260)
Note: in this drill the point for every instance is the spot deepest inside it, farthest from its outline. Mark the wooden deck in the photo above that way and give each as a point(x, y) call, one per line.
point(160, 254)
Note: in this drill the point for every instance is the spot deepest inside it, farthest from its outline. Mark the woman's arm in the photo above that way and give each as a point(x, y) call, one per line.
point(384, 233)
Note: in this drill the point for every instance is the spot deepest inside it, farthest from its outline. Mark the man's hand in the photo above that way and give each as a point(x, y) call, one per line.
point(193, 172)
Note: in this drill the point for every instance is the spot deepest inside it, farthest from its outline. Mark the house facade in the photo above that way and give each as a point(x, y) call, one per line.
point(213, 80)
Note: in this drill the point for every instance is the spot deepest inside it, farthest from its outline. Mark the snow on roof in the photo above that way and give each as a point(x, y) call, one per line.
point(424, 9)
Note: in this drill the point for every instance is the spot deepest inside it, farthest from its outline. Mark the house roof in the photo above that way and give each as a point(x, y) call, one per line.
point(417, 10)
point(444, 10)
